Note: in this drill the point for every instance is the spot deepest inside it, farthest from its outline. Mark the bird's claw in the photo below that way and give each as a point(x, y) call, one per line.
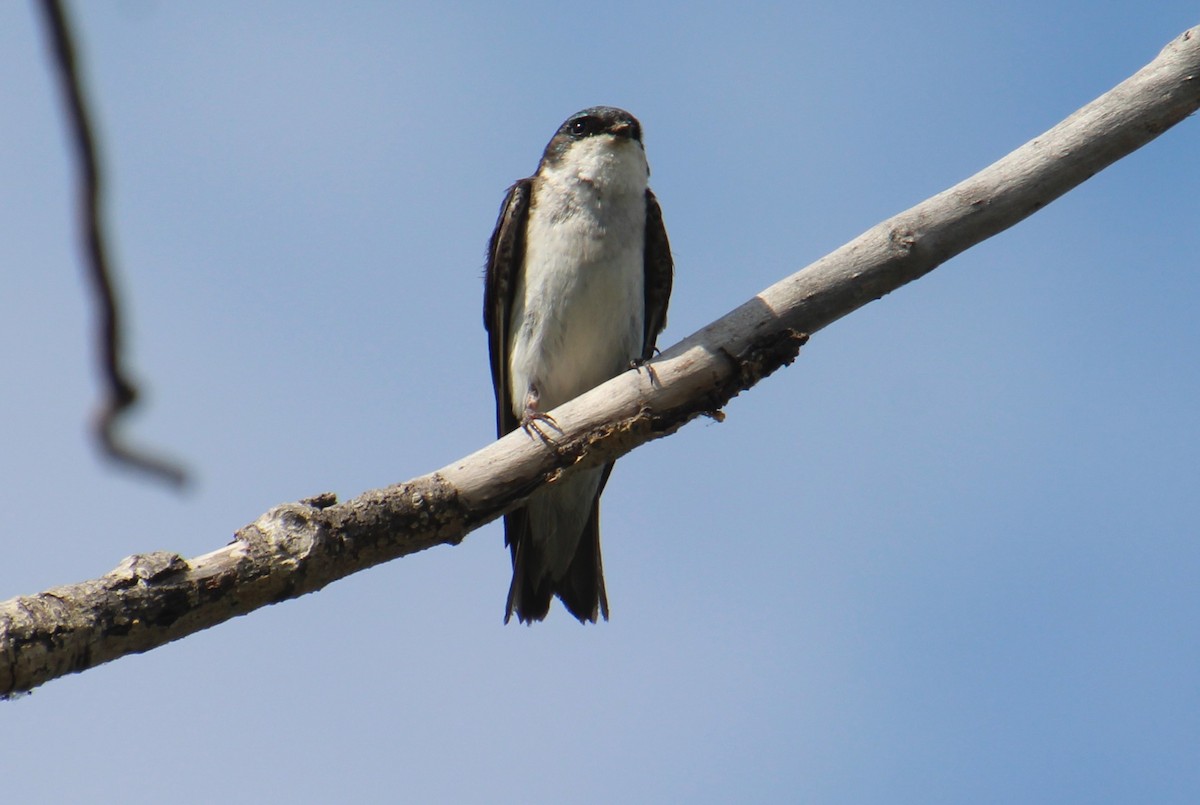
point(637, 364)
point(529, 424)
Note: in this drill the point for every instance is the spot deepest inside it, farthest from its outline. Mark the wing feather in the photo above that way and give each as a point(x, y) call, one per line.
point(659, 275)
point(506, 253)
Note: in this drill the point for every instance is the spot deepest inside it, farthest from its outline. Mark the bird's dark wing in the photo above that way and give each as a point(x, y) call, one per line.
point(659, 274)
point(506, 252)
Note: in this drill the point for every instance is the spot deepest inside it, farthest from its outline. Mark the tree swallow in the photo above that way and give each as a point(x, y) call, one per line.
point(578, 275)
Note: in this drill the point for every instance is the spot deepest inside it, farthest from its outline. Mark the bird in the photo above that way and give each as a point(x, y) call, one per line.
point(579, 274)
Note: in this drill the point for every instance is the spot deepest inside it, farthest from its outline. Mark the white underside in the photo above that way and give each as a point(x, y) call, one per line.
point(577, 319)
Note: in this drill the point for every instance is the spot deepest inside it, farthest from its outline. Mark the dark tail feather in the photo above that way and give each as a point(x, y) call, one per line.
point(582, 589)
point(526, 597)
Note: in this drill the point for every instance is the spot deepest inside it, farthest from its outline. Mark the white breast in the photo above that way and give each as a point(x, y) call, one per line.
point(578, 315)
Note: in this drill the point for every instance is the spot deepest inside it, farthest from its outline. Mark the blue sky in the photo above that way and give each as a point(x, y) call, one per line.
point(949, 555)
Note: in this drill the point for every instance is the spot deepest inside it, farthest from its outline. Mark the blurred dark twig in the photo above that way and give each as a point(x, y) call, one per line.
point(120, 393)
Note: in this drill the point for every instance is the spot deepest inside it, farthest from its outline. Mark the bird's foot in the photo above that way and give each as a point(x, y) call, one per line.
point(531, 423)
point(637, 364)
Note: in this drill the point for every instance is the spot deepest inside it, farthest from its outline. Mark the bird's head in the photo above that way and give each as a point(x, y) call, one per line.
point(600, 145)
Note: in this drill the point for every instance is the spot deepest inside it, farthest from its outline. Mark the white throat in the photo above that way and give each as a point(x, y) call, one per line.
point(604, 162)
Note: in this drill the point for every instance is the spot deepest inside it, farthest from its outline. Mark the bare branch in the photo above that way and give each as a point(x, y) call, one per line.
point(120, 393)
point(297, 548)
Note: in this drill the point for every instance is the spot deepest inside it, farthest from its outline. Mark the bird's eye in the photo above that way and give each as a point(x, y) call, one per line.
point(582, 126)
